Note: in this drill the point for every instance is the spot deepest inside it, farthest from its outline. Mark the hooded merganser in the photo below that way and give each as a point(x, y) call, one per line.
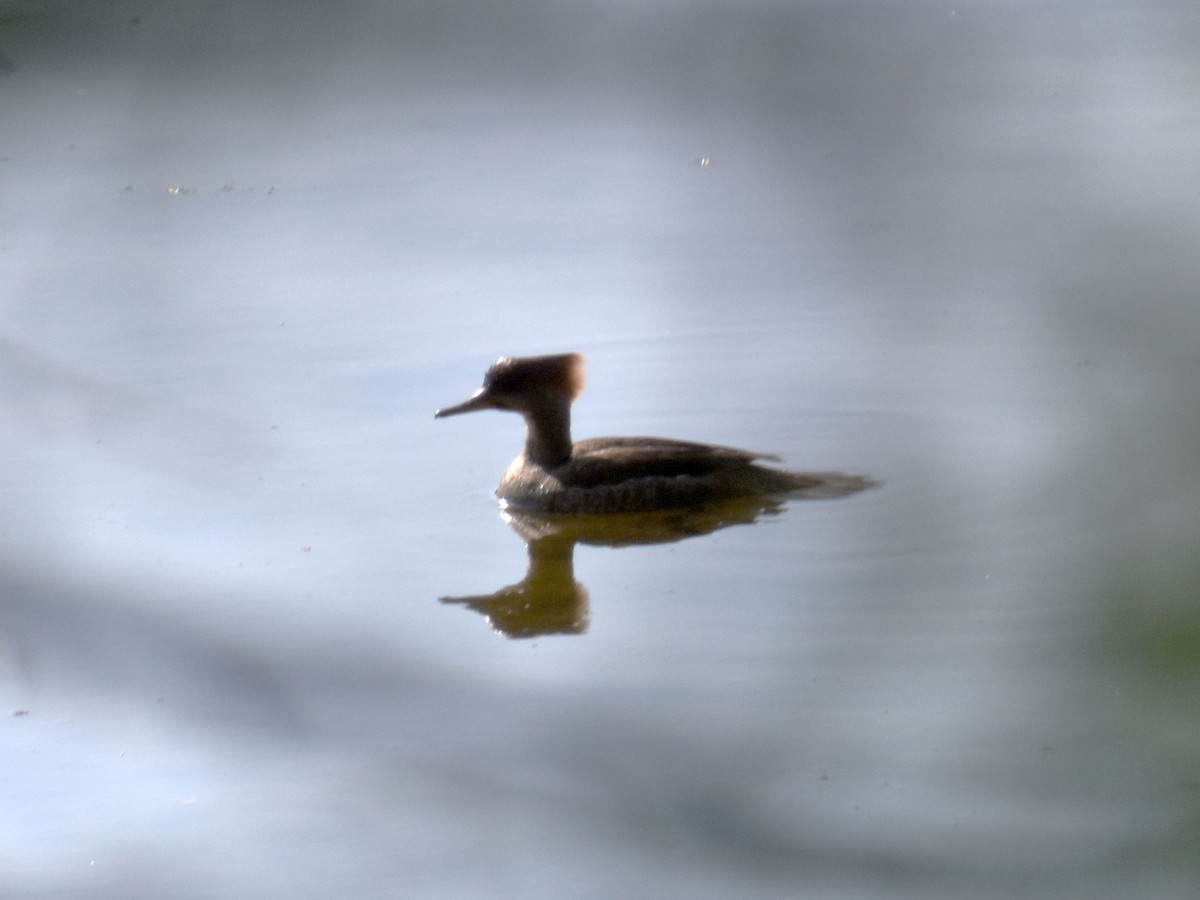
point(617, 474)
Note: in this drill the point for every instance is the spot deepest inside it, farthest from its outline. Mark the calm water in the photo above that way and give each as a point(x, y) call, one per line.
point(249, 248)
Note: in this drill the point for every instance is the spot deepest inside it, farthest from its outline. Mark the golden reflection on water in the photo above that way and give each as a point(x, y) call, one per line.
point(548, 600)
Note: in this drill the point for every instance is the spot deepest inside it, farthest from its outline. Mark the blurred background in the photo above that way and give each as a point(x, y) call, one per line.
point(247, 248)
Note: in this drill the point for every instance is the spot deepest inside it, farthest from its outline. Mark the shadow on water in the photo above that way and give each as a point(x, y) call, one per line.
point(548, 600)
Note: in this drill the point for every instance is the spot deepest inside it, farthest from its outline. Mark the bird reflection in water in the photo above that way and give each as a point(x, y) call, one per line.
point(549, 601)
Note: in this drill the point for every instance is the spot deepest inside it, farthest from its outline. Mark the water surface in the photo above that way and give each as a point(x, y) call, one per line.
point(248, 249)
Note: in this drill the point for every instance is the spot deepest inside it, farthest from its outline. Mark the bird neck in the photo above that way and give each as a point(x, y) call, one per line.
point(548, 432)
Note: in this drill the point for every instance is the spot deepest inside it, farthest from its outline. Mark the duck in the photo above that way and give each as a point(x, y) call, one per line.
point(605, 475)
